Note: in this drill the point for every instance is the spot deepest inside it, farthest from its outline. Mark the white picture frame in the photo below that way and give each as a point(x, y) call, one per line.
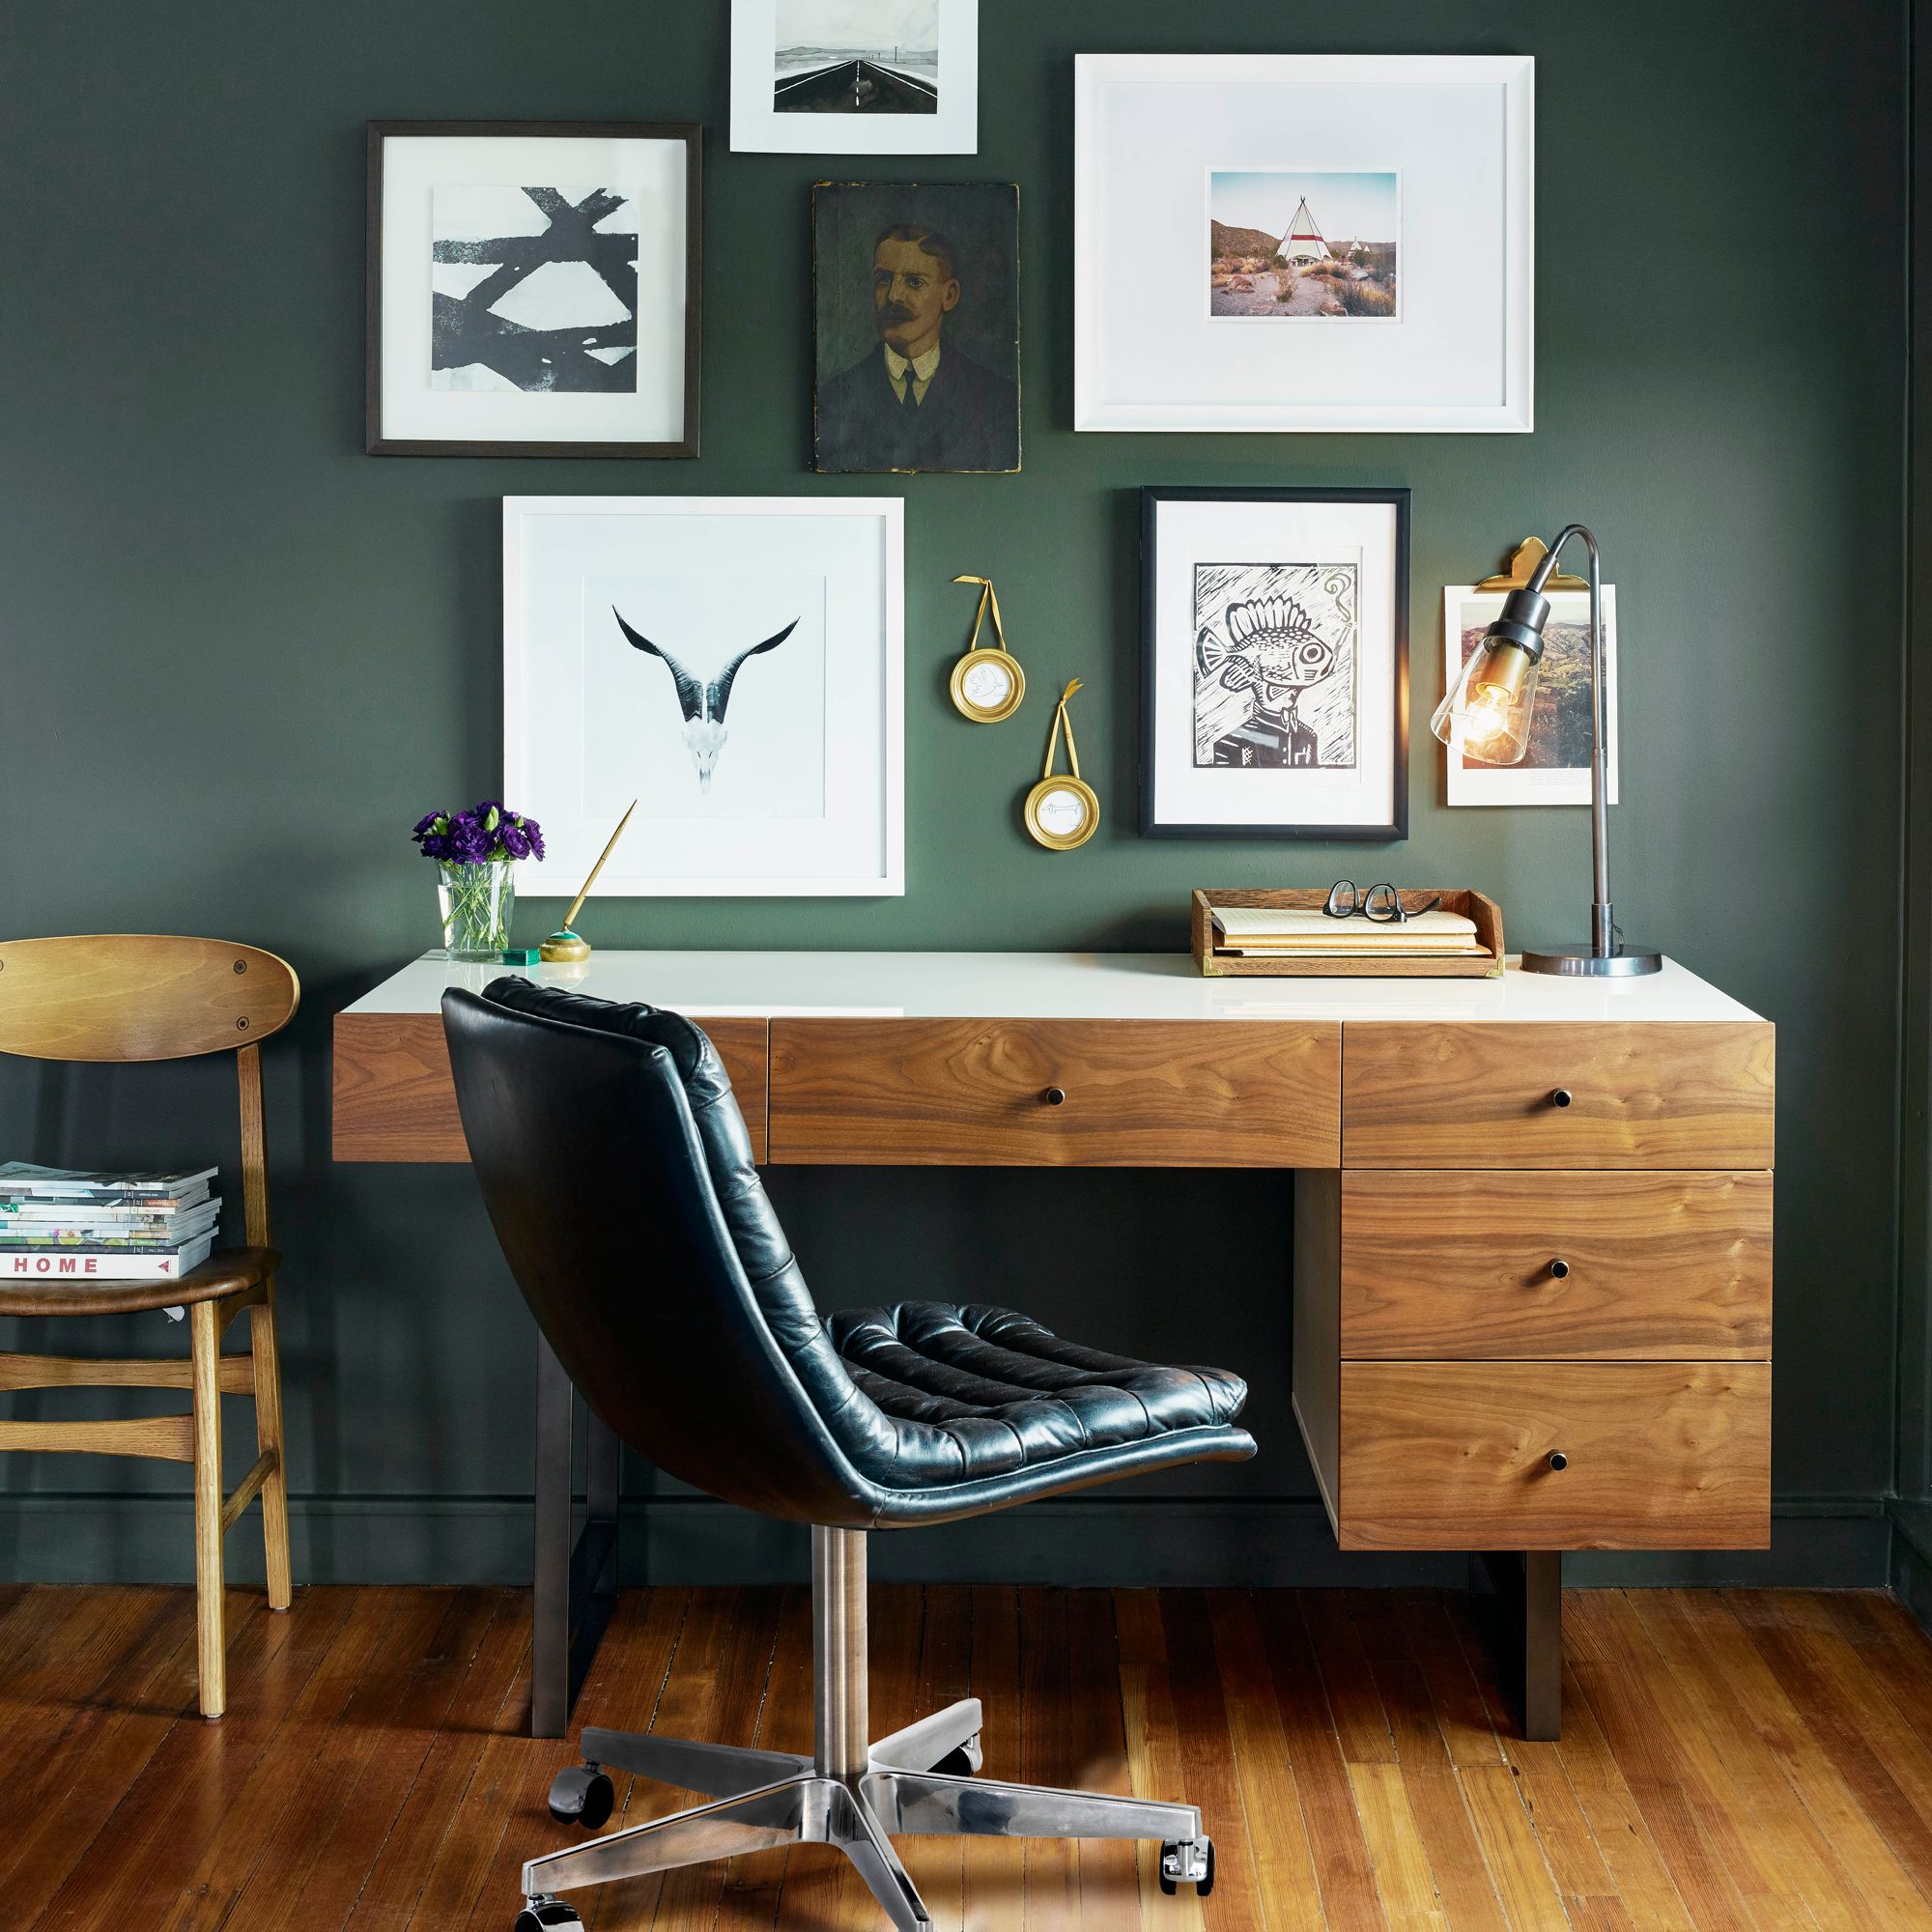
point(760, 69)
point(1537, 781)
point(1151, 132)
point(734, 662)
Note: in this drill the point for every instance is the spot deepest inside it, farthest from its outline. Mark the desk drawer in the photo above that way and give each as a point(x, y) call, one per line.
point(916, 1092)
point(395, 1098)
point(1637, 1266)
point(1686, 1095)
point(1456, 1456)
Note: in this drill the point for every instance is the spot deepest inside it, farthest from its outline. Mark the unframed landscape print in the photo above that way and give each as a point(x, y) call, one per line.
point(1274, 664)
point(1294, 245)
point(855, 57)
point(534, 289)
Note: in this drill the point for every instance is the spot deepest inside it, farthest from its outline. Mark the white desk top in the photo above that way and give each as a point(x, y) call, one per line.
point(1056, 985)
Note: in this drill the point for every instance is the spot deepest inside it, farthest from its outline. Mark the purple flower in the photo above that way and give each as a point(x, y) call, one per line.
point(513, 840)
point(490, 831)
point(533, 832)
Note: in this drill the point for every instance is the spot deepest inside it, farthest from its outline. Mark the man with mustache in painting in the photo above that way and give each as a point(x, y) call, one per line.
point(920, 402)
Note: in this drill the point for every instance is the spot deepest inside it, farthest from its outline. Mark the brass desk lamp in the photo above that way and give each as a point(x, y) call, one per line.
point(1487, 714)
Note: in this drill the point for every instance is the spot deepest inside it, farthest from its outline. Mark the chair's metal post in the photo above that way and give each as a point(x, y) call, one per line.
point(841, 1718)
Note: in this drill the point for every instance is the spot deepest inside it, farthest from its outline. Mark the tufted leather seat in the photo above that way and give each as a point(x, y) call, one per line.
point(618, 1175)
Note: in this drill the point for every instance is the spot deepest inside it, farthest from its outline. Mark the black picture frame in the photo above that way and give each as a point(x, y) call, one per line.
point(689, 132)
point(1395, 497)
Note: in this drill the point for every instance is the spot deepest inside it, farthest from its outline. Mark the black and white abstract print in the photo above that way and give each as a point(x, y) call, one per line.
point(534, 289)
point(1275, 664)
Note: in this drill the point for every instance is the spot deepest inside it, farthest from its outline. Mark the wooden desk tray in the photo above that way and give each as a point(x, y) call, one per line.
point(1487, 914)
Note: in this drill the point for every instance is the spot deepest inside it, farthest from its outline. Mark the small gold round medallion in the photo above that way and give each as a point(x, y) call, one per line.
point(1061, 812)
point(987, 686)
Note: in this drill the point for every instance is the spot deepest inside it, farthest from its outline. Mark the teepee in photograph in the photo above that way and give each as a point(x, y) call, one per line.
point(1304, 241)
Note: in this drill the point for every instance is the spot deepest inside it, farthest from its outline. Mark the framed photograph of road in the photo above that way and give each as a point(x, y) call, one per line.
point(1320, 243)
point(532, 289)
point(855, 76)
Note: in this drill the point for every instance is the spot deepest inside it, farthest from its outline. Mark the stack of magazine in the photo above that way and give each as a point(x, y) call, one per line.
point(61, 1223)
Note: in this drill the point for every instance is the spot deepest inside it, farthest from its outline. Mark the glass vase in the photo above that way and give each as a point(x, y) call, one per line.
point(476, 902)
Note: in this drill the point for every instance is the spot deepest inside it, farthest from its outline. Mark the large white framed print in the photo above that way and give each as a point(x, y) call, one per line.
point(533, 288)
point(1555, 768)
point(1274, 696)
point(734, 663)
point(855, 76)
point(1321, 242)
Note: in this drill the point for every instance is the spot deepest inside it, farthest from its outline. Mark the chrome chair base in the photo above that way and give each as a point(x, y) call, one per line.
point(859, 1799)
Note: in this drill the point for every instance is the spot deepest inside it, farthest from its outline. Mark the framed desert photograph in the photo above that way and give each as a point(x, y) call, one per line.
point(915, 326)
point(1555, 769)
point(533, 289)
point(1288, 242)
point(855, 76)
point(1288, 267)
point(734, 663)
point(1275, 662)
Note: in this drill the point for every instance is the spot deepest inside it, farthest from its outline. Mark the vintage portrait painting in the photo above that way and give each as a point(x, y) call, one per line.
point(1293, 244)
point(1274, 664)
point(916, 311)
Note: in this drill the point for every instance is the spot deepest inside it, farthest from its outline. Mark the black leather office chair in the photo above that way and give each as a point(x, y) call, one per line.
point(600, 1130)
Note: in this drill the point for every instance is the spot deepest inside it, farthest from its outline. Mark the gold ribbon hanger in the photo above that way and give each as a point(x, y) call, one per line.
point(987, 682)
point(1062, 812)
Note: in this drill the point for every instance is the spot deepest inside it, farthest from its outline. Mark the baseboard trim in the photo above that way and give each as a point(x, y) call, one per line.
point(1817, 1542)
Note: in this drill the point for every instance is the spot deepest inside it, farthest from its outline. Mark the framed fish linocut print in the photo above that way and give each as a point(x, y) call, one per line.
point(1275, 664)
point(915, 326)
point(532, 289)
point(734, 663)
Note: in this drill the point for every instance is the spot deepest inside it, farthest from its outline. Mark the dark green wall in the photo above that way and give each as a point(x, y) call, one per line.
point(240, 657)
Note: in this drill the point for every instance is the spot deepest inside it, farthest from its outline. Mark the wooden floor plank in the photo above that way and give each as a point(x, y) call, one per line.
point(1731, 1762)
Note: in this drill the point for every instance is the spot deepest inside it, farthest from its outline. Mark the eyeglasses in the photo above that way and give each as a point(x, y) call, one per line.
point(1381, 903)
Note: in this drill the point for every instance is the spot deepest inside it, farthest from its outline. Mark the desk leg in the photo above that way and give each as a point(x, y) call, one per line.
point(550, 1570)
point(574, 1587)
point(1525, 1624)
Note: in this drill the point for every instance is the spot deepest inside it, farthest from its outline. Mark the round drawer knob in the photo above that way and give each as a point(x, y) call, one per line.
point(1559, 1269)
point(1558, 1460)
point(1560, 1098)
point(1055, 1096)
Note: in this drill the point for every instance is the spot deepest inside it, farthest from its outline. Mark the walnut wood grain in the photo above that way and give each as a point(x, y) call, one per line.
point(123, 996)
point(395, 1098)
point(1654, 1266)
point(976, 1092)
point(1673, 1095)
point(1456, 1456)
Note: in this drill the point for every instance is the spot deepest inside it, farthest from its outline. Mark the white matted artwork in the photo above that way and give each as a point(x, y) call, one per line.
point(1275, 663)
point(1320, 243)
point(735, 663)
point(532, 289)
point(1555, 769)
point(855, 76)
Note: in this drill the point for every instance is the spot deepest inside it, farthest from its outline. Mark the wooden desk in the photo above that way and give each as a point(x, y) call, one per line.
point(1532, 1233)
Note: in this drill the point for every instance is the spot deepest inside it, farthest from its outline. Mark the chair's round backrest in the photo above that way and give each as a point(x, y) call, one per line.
point(139, 996)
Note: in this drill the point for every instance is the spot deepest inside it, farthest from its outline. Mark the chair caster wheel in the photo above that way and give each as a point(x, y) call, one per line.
point(1187, 1863)
point(542, 1913)
point(580, 1795)
point(965, 1760)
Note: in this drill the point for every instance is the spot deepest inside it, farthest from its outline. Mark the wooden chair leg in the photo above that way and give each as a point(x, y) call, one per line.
point(205, 1349)
point(268, 1440)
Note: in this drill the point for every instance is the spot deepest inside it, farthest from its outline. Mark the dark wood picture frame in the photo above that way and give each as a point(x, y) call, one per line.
point(1396, 497)
point(690, 132)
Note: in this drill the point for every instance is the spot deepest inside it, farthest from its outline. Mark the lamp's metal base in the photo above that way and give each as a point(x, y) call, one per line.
point(1584, 962)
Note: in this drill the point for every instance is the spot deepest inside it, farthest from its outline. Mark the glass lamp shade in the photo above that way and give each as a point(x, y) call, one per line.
point(1485, 715)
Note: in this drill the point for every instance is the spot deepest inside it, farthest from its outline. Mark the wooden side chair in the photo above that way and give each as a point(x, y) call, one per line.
point(125, 997)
